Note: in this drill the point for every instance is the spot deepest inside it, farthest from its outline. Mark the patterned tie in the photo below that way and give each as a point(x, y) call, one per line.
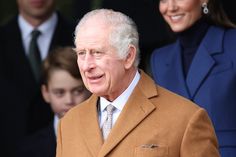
point(34, 55)
point(106, 128)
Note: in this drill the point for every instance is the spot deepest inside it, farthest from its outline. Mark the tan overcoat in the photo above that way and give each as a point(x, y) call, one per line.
point(154, 123)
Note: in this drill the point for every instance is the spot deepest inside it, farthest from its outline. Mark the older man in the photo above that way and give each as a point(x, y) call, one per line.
point(127, 115)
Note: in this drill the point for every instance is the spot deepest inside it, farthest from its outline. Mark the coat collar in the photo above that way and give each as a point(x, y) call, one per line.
point(137, 108)
point(174, 72)
point(91, 131)
point(202, 63)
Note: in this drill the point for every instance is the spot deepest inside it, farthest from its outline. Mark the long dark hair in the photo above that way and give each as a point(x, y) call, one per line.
point(217, 15)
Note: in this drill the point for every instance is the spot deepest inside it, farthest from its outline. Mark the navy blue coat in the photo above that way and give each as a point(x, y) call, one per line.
point(210, 82)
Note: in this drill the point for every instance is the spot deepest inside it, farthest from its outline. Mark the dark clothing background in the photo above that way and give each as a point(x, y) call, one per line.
point(23, 109)
point(40, 144)
point(229, 7)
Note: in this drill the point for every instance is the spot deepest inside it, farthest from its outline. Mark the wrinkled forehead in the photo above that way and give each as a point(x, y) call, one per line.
point(92, 29)
point(92, 23)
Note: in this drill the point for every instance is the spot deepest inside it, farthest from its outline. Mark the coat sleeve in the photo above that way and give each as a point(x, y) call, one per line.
point(199, 138)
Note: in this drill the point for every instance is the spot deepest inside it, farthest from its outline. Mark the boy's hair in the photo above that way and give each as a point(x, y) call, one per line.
point(62, 58)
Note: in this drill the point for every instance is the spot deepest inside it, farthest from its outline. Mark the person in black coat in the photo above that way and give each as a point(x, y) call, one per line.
point(23, 109)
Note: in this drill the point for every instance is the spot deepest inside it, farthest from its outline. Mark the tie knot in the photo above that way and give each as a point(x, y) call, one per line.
point(110, 108)
point(35, 33)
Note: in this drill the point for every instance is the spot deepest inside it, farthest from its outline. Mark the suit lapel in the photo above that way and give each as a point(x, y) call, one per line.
point(175, 78)
point(137, 108)
point(200, 67)
point(15, 55)
point(203, 62)
point(90, 124)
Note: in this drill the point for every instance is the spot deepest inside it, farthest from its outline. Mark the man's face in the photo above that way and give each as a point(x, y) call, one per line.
point(39, 9)
point(103, 72)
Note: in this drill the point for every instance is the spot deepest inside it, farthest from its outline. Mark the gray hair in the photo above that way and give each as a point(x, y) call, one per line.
point(123, 31)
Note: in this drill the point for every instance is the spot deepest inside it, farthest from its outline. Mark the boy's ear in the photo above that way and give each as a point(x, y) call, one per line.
point(45, 93)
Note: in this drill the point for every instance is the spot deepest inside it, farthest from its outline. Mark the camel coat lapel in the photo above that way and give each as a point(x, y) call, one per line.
point(91, 132)
point(137, 109)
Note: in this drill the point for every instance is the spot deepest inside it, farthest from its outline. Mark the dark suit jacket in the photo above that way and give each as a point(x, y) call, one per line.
point(211, 80)
point(40, 144)
point(24, 109)
point(153, 123)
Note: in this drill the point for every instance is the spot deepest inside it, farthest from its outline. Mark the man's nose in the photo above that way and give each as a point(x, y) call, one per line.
point(88, 62)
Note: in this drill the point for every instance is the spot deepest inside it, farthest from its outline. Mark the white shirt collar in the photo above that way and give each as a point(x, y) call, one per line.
point(55, 123)
point(47, 29)
point(47, 26)
point(25, 27)
point(120, 101)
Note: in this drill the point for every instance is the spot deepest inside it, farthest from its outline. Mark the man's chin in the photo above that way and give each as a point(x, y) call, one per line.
point(98, 93)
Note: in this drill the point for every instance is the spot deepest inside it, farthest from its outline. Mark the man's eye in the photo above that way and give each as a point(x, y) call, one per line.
point(97, 53)
point(81, 53)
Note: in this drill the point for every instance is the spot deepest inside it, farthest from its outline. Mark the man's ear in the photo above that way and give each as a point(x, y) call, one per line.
point(130, 58)
point(45, 93)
